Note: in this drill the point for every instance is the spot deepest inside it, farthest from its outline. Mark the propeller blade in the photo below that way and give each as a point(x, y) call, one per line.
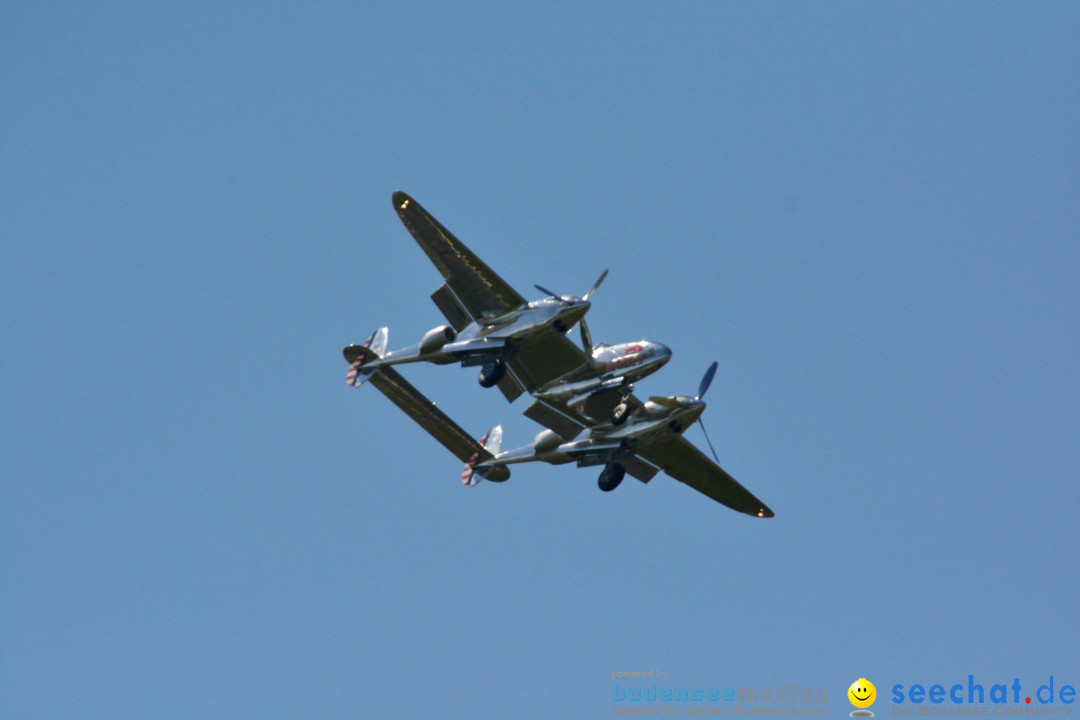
point(595, 285)
point(586, 338)
point(543, 289)
point(707, 380)
point(708, 440)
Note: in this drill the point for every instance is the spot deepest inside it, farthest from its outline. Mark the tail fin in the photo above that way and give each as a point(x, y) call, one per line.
point(358, 355)
point(490, 445)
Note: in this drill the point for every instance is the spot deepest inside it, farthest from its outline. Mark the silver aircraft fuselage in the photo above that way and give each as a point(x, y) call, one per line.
point(611, 366)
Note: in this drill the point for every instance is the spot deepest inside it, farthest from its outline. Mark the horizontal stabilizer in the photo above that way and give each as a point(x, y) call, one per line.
point(438, 424)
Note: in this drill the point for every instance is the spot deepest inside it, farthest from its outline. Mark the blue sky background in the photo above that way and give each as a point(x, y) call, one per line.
point(868, 214)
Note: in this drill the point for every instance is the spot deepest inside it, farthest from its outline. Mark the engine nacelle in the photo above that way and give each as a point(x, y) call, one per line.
point(652, 408)
point(546, 441)
point(435, 338)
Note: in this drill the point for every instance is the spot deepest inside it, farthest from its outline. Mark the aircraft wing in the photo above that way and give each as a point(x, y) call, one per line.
point(472, 289)
point(544, 359)
point(684, 462)
point(427, 415)
point(475, 287)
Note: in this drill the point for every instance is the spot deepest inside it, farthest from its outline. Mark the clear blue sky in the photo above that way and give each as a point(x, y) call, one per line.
point(869, 214)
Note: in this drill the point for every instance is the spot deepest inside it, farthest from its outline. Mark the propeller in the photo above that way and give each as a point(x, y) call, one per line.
point(595, 285)
point(705, 383)
point(702, 424)
point(544, 290)
point(585, 297)
point(677, 401)
point(707, 380)
point(586, 338)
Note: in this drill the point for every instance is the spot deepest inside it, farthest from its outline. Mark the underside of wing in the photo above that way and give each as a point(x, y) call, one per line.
point(451, 309)
point(565, 426)
point(475, 286)
point(428, 416)
point(684, 462)
point(545, 358)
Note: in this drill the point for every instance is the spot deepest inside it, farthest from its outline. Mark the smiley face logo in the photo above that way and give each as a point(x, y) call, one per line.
point(862, 693)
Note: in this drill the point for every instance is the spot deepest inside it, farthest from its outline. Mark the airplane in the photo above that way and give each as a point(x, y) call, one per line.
point(582, 397)
point(647, 440)
point(490, 324)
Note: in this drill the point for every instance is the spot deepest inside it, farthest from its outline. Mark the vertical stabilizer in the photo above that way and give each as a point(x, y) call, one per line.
point(362, 355)
point(490, 445)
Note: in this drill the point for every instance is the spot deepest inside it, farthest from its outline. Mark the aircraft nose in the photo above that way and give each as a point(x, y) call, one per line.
point(659, 354)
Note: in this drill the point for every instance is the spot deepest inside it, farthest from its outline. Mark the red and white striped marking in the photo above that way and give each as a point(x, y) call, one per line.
point(354, 370)
point(468, 476)
point(467, 473)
